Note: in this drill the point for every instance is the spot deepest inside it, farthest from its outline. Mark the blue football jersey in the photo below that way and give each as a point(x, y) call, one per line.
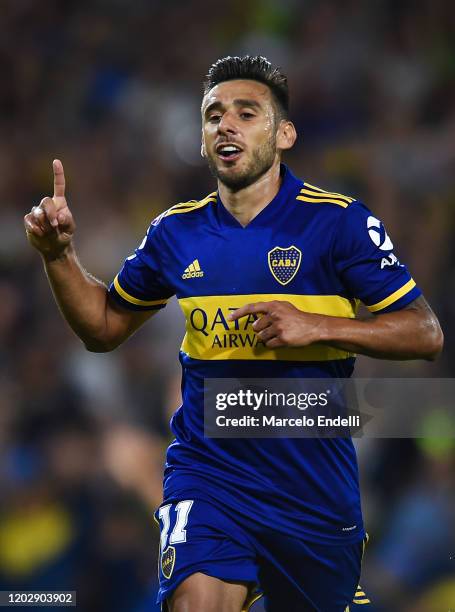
point(323, 252)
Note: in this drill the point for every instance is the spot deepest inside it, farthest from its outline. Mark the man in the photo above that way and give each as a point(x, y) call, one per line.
point(268, 271)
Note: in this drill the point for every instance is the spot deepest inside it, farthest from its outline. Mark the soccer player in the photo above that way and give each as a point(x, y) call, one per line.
point(268, 270)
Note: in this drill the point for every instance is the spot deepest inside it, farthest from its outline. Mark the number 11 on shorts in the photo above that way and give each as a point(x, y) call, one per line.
point(178, 534)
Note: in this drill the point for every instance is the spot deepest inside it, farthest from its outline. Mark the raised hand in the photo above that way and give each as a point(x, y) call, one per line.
point(50, 226)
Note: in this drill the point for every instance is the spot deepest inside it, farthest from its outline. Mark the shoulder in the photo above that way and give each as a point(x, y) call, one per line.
point(324, 200)
point(341, 220)
point(185, 210)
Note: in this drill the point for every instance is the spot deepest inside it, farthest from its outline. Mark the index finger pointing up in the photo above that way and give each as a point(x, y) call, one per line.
point(59, 179)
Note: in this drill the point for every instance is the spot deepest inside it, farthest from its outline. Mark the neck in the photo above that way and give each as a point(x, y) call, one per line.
point(246, 203)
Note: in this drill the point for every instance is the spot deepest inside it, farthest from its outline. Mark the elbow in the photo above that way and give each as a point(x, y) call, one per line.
point(435, 348)
point(96, 348)
point(435, 343)
point(95, 345)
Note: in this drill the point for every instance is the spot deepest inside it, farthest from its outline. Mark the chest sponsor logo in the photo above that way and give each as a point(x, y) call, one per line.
point(284, 263)
point(213, 324)
point(168, 561)
point(210, 334)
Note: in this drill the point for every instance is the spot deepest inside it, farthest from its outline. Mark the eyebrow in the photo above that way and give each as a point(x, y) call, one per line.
point(237, 102)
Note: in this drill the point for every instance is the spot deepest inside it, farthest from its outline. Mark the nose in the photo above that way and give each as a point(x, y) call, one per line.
point(227, 124)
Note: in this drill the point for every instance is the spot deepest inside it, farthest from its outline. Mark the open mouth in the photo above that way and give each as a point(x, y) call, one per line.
point(228, 152)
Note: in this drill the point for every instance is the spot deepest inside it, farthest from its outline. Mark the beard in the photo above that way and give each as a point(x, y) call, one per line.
point(262, 160)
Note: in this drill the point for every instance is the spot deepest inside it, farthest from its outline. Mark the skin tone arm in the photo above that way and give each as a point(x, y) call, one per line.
point(82, 299)
point(411, 333)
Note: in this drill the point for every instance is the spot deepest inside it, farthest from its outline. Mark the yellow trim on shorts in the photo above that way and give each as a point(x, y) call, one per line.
point(250, 602)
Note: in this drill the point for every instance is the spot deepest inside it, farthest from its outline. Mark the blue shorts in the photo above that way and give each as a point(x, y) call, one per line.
point(292, 574)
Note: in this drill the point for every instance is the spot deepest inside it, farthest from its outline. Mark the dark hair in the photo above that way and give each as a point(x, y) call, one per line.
point(256, 68)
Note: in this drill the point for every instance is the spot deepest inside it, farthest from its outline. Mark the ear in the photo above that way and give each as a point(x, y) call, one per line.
point(203, 153)
point(286, 135)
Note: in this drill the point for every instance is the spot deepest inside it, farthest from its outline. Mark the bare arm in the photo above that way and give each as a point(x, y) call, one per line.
point(410, 333)
point(84, 302)
point(82, 299)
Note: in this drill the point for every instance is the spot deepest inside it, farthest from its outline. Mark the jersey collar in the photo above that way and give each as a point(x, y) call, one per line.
point(290, 188)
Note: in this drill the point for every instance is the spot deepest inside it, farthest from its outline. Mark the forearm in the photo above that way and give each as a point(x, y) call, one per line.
point(396, 335)
point(81, 298)
point(410, 333)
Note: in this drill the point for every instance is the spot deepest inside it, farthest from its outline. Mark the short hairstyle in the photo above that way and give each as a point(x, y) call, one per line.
point(256, 68)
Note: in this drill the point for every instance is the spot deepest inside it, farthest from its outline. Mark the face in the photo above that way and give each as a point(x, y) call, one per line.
point(239, 132)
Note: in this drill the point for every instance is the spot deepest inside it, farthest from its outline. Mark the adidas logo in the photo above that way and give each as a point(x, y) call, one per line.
point(193, 270)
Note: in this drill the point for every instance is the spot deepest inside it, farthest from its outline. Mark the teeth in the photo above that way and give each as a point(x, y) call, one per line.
point(229, 149)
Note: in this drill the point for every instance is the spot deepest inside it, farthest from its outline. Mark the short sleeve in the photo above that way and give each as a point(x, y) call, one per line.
point(140, 284)
point(364, 259)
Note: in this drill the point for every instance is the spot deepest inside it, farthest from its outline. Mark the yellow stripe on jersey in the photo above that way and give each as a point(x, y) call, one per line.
point(361, 601)
point(190, 206)
point(323, 191)
point(193, 202)
point(324, 200)
point(210, 335)
point(396, 295)
point(323, 196)
point(129, 298)
point(310, 193)
point(185, 210)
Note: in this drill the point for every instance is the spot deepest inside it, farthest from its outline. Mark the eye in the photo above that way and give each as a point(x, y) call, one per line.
point(214, 118)
point(247, 115)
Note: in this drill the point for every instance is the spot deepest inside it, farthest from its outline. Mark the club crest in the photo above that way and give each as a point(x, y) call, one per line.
point(168, 561)
point(284, 263)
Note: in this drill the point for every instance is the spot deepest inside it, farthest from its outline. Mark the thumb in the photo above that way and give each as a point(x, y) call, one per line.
point(65, 222)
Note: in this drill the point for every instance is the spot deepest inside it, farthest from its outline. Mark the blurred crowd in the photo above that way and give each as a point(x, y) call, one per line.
point(113, 89)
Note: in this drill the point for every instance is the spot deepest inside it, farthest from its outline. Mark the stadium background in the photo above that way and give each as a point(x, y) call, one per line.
point(113, 89)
